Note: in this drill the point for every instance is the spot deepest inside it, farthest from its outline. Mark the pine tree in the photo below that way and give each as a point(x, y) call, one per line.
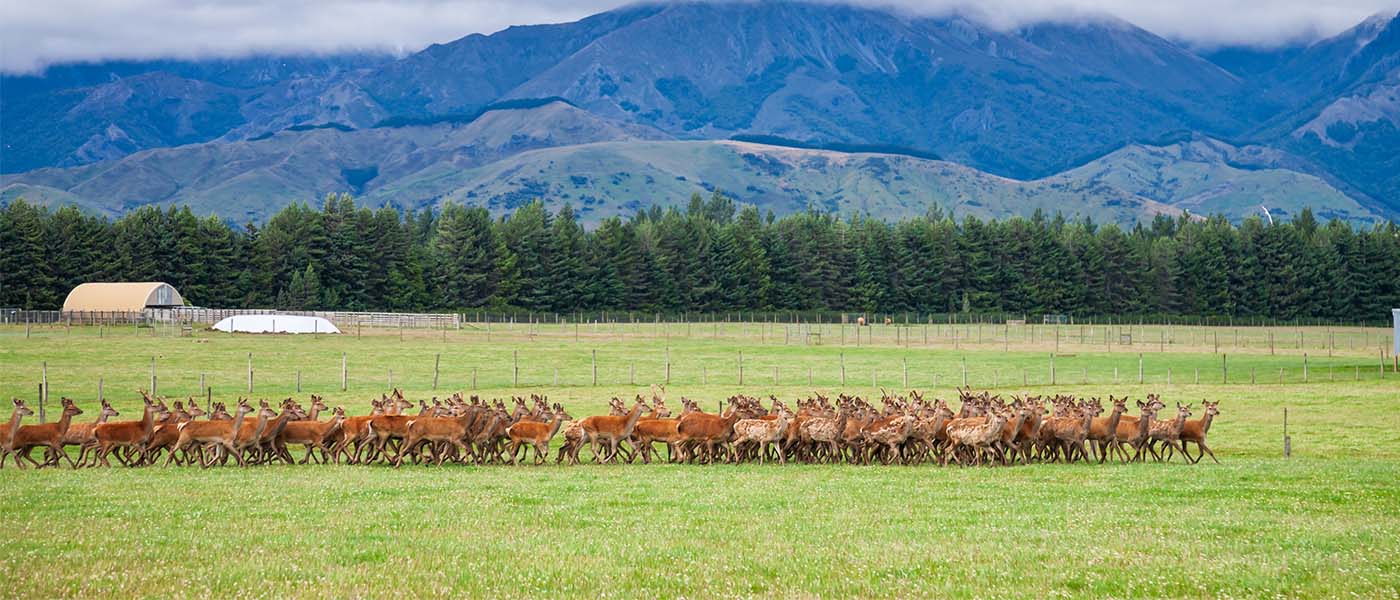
point(465, 261)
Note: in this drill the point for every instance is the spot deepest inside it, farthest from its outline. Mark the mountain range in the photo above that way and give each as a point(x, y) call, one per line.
point(787, 105)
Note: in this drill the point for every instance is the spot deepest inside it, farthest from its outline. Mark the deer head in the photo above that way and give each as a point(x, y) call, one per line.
point(21, 410)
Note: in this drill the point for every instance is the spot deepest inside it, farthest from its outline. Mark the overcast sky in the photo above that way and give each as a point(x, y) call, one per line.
point(34, 33)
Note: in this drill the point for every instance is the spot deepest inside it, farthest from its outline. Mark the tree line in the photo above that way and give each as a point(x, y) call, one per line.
point(711, 256)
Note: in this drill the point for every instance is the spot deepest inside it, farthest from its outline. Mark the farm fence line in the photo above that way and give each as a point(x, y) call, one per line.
point(854, 372)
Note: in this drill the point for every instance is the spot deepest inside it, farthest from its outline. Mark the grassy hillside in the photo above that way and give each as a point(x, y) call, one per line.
point(1132, 184)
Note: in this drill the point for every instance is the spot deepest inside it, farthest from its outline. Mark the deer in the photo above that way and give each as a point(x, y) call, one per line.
point(127, 435)
point(312, 433)
point(1195, 432)
point(49, 435)
point(6, 442)
point(611, 430)
point(1103, 432)
point(383, 429)
point(1168, 432)
point(315, 435)
point(762, 433)
point(655, 429)
point(977, 436)
point(248, 438)
point(890, 436)
point(710, 430)
point(218, 433)
point(166, 433)
point(448, 430)
point(537, 435)
point(352, 431)
point(81, 434)
point(1072, 431)
point(1133, 433)
point(826, 433)
point(266, 447)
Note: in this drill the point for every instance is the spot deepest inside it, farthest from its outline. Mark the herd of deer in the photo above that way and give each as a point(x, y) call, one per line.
point(986, 430)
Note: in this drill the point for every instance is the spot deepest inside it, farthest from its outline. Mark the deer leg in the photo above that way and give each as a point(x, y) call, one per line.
point(1206, 450)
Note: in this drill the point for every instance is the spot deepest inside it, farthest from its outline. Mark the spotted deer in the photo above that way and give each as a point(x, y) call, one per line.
point(1169, 432)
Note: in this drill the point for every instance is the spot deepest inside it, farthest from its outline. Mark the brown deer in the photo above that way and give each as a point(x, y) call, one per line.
point(8, 435)
point(1195, 432)
point(219, 433)
point(434, 430)
point(352, 431)
point(649, 431)
point(81, 434)
point(48, 435)
point(1103, 432)
point(611, 430)
point(537, 435)
point(167, 432)
point(126, 435)
point(1070, 432)
point(248, 438)
point(1133, 433)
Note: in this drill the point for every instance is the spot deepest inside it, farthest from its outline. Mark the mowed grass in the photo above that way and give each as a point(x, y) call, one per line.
point(1323, 523)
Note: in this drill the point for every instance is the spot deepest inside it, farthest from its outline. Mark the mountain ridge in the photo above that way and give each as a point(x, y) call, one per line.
point(1028, 103)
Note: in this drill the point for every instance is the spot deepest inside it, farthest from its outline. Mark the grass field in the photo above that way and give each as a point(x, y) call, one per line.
point(1323, 523)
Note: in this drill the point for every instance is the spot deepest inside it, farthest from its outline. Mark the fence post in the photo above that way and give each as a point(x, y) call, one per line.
point(344, 372)
point(843, 369)
point(906, 372)
point(1305, 367)
point(515, 366)
point(1052, 367)
point(1224, 369)
point(43, 389)
point(1287, 441)
point(99, 387)
point(964, 371)
point(437, 362)
point(391, 379)
point(153, 375)
point(668, 365)
point(595, 367)
point(473, 377)
point(1140, 380)
point(741, 367)
point(298, 381)
point(250, 372)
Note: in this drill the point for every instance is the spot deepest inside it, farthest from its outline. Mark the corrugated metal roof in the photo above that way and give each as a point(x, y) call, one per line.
point(121, 296)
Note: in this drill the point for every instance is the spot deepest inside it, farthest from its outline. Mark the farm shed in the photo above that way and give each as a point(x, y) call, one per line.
point(276, 324)
point(121, 297)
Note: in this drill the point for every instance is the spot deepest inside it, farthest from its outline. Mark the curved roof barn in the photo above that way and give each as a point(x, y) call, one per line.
point(122, 296)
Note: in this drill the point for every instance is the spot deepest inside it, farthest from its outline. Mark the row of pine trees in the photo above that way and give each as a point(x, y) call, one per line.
point(713, 257)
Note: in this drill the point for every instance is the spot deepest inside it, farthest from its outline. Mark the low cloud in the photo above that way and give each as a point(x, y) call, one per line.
point(39, 33)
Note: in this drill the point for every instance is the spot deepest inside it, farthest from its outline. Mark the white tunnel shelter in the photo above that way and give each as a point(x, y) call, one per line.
point(275, 324)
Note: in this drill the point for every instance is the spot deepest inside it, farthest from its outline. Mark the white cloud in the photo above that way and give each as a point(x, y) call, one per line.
point(41, 32)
